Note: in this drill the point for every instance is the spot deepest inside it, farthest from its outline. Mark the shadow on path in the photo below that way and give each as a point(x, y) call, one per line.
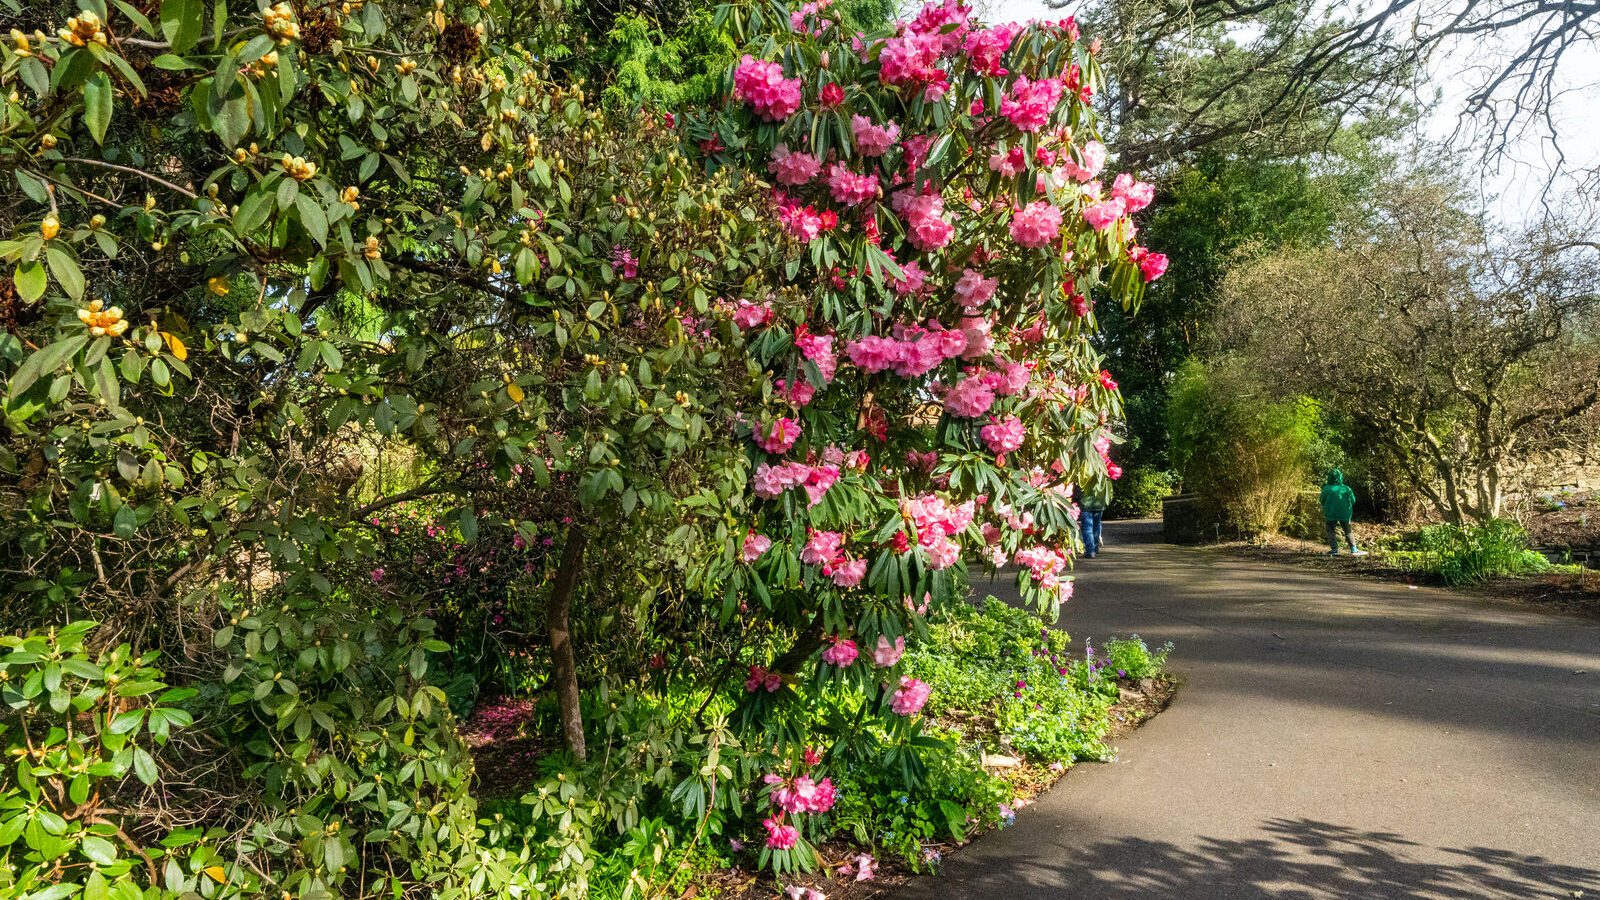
point(1294, 859)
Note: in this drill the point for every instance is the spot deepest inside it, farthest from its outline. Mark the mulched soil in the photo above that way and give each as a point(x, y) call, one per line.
point(1138, 704)
point(1567, 593)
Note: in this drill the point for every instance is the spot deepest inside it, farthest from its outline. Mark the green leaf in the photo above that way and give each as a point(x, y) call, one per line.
point(313, 218)
point(231, 122)
point(99, 850)
point(98, 97)
point(30, 280)
point(172, 63)
point(45, 359)
point(124, 523)
point(65, 269)
point(144, 765)
point(182, 22)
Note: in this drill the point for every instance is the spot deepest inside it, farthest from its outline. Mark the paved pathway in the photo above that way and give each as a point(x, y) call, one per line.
point(1334, 738)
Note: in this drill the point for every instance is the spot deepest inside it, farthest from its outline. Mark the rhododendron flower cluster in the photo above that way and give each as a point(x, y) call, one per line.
point(872, 139)
point(1004, 437)
point(755, 546)
point(1134, 194)
point(974, 290)
point(926, 226)
point(1030, 103)
point(986, 47)
point(910, 697)
point(762, 85)
point(778, 437)
point(750, 316)
point(801, 794)
point(1104, 214)
point(799, 393)
point(1036, 225)
point(849, 188)
point(1094, 160)
point(793, 168)
point(841, 652)
point(886, 654)
point(915, 351)
point(818, 348)
point(779, 835)
point(1151, 265)
point(970, 398)
point(771, 481)
point(760, 678)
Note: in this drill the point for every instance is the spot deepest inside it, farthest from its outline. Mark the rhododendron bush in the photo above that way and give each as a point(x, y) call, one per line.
point(949, 210)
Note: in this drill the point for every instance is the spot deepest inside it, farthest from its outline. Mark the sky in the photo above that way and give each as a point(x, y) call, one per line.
point(1517, 187)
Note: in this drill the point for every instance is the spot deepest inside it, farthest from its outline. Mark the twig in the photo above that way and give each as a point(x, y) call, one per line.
point(132, 171)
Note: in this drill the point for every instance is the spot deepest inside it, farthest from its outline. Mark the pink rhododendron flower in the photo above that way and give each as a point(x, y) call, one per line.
point(779, 436)
point(1110, 384)
point(1030, 103)
point(779, 835)
point(1094, 160)
point(755, 545)
point(848, 574)
point(911, 60)
point(1008, 378)
point(942, 553)
point(1100, 216)
point(924, 213)
point(912, 281)
point(832, 95)
point(749, 316)
point(377, 575)
point(887, 654)
point(801, 892)
point(1151, 265)
point(803, 222)
point(849, 188)
point(770, 481)
point(793, 168)
point(1002, 437)
point(1036, 225)
point(1041, 562)
point(822, 547)
point(760, 678)
point(762, 85)
point(800, 393)
point(1134, 194)
point(979, 340)
point(1009, 163)
point(819, 349)
point(935, 17)
point(841, 652)
point(872, 139)
point(817, 481)
point(916, 151)
point(973, 290)
point(969, 399)
point(910, 697)
point(986, 47)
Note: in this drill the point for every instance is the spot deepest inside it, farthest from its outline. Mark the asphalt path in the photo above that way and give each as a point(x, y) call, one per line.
point(1333, 738)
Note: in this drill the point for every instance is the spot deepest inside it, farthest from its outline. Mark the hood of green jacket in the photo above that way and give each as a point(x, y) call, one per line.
point(1335, 476)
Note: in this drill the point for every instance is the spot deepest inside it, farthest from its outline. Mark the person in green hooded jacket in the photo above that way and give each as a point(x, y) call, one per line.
point(1338, 508)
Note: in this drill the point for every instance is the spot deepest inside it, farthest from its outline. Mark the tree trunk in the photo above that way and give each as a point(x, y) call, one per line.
point(564, 664)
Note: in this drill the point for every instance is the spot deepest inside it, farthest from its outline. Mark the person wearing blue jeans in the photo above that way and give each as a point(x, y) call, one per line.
point(1092, 502)
point(1338, 507)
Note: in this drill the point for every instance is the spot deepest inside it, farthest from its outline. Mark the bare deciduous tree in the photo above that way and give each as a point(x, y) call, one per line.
point(1467, 350)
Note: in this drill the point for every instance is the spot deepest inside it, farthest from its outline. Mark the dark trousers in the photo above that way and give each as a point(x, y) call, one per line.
point(1333, 536)
point(1092, 522)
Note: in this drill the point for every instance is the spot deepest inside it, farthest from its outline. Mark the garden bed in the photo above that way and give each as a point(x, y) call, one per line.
point(1137, 705)
point(1563, 588)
